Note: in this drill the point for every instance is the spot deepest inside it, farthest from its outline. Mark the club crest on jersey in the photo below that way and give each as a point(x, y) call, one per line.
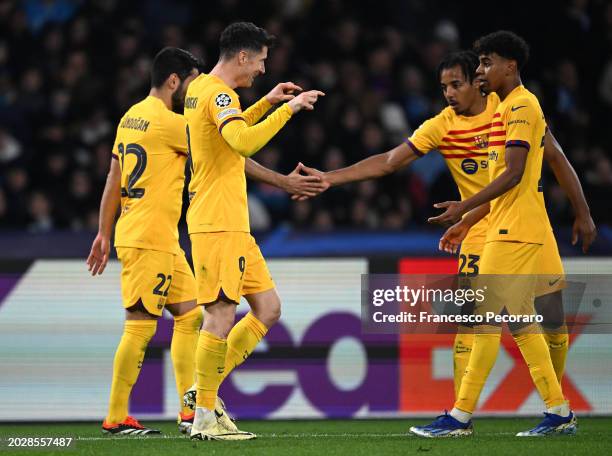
point(223, 100)
point(481, 141)
point(469, 166)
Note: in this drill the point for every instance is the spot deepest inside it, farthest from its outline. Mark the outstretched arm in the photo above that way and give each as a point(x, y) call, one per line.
point(372, 167)
point(568, 180)
point(111, 198)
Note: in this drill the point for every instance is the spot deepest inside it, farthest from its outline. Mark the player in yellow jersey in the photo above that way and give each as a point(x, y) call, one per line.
point(146, 179)
point(227, 262)
point(462, 133)
point(516, 233)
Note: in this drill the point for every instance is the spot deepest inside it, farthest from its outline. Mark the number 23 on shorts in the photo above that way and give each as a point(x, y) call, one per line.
point(468, 264)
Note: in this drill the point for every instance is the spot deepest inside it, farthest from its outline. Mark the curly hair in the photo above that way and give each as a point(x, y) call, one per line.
point(505, 44)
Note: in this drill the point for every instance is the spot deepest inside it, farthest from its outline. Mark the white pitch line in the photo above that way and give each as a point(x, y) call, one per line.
point(273, 436)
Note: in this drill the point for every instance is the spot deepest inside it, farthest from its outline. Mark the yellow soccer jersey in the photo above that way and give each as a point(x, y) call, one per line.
point(217, 191)
point(463, 142)
point(151, 146)
point(519, 214)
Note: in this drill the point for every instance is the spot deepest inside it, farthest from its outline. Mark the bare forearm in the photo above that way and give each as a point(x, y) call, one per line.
point(504, 182)
point(476, 215)
point(370, 168)
point(375, 166)
point(260, 173)
point(111, 198)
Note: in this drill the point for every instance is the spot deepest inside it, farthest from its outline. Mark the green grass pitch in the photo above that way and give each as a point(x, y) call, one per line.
point(351, 437)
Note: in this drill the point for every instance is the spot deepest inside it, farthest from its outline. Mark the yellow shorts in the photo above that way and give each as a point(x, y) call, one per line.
point(509, 271)
point(155, 278)
point(469, 258)
point(228, 264)
point(551, 275)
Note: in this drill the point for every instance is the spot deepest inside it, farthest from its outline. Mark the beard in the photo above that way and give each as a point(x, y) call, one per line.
point(178, 100)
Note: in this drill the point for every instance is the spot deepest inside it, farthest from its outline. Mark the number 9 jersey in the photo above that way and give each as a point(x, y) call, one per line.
point(151, 147)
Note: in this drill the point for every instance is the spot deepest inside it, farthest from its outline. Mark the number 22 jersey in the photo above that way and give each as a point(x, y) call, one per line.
point(151, 147)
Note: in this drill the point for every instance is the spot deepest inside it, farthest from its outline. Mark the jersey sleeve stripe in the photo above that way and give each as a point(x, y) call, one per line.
point(414, 148)
point(226, 121)
point(470, 155)
point(469, 148)
point(518, 143)
point(473, 130)
point(115, 157)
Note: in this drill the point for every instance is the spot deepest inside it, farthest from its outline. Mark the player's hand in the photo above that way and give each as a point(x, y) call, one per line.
point(312, 172)
point(98, 257)
point(303, 187)
point(283, 92)
point(305, 100)
point(452, 237)
point(452, 214)
point(584, 227)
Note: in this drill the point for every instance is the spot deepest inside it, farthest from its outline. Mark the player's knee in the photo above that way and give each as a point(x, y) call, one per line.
point(274, 314)
point(270, 313)
point(189, 321)
point(219, 327)
point(219, 323)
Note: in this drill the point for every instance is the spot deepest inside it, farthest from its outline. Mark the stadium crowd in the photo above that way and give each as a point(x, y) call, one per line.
point(69, 69)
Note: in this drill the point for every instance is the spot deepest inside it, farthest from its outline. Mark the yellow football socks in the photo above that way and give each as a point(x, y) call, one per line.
point(183, 350)
point(482, 359)
point(126, 367)
point(210, 365)
point(242, 340)
point(536, 354)
point(462, 348)
point(558, 345)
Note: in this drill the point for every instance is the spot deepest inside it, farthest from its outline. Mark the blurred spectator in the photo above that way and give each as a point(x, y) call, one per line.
point(39, 213)
point(10, 148)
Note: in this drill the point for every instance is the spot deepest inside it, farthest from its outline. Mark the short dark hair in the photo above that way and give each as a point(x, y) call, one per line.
point(243, 35)
point(466, 60)
point(172, 60)
point(505, 44)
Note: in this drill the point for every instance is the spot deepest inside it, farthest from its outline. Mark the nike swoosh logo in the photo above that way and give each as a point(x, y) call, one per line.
point(516, 108)
point(552, 282)
point(217, 414)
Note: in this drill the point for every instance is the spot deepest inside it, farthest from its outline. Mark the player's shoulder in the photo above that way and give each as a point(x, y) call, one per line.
point(523, 99)
point(208, 84)
point(137, 108)
point(208, 89)
point(444, 118)
point(493, 100)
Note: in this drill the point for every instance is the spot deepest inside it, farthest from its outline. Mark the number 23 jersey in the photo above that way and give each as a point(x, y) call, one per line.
point(151, 147)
